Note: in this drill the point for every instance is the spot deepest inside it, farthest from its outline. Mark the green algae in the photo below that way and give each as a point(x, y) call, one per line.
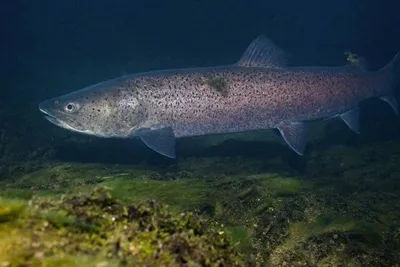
point(223, 199)
point(301, 231)
point(328, 242)
point(241, 238)
point(97, 230)
point(183, 193)
point(283, 186)
point(322, 217)
point(10, 209)
point(66, 178)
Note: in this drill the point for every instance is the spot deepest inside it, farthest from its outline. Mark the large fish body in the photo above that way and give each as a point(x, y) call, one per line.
point(258, 92)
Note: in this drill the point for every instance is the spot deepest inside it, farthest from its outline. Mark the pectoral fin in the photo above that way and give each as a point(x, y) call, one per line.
point(295, 135)
point(160, 140)
point(351, 118)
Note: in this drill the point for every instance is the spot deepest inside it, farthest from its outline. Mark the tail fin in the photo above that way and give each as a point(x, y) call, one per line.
point(392, 71)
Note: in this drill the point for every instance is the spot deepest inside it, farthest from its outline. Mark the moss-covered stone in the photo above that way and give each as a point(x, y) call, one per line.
point(97, 230)
point(10, 209)
point(275, 207)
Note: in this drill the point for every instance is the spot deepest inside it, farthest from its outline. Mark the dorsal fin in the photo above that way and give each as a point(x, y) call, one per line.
point(262, 52)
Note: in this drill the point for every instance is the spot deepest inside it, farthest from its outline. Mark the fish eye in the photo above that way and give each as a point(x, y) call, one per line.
point(70, 107)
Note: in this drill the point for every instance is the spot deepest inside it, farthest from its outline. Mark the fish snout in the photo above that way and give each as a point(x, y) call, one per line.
point(47, 106)
point(43, 106)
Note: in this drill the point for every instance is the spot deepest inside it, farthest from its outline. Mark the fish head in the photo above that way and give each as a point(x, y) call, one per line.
point(103, 111)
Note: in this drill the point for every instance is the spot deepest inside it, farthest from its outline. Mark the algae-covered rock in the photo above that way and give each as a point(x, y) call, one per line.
point(97, 230)
point(341, 208)
point(10, 209)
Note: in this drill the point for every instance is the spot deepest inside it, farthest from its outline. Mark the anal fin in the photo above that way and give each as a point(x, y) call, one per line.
point(160, 140)
point(391, 100)
point(352, 119)
point(295, 135)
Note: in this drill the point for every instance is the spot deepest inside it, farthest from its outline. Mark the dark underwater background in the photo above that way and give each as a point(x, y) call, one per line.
point(339, 205)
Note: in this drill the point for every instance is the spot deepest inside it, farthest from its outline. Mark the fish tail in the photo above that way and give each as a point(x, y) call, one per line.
point(391, 73)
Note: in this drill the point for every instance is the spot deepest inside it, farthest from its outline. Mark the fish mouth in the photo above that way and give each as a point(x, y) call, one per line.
point(59, 122)
point(48, 116)
point(51, 118)
point(54, 120)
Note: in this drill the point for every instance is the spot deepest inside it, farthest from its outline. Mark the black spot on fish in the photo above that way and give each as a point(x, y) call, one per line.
point(219, 85)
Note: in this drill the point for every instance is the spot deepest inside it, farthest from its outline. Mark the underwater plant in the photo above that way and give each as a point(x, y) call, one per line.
point(97, 230)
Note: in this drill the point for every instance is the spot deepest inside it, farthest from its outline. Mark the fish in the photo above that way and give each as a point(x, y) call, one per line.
point(258, 92)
